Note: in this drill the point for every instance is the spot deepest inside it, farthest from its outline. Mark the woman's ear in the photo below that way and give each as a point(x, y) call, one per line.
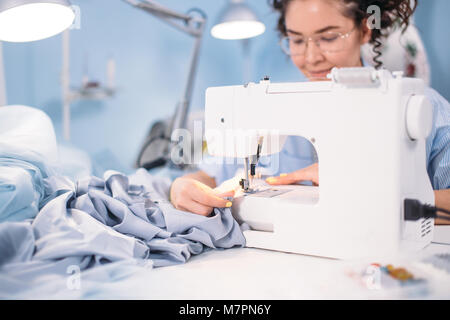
point(366, 32)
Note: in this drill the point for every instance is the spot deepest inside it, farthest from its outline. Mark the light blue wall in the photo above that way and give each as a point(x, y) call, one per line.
point(152, 61)
point(434, 25)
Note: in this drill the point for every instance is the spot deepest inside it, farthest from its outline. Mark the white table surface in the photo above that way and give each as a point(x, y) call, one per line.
point(247, 273)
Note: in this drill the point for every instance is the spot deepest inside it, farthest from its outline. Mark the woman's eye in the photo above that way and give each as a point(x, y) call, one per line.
point(329, 38)
point(297, 41)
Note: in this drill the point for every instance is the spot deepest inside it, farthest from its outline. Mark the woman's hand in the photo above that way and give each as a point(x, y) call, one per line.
point(310, 173)
point(191, 195)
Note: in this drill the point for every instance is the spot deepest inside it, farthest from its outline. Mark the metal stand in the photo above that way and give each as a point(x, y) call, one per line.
point(83, 93)
point(160, 144)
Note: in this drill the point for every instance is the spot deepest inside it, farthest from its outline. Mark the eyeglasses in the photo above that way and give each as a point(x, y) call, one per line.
point(327, 42)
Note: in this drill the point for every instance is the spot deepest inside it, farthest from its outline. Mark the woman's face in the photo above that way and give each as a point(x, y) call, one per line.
point(306, 18)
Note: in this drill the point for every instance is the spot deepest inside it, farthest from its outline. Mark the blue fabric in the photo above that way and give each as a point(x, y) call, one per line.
point(105, 228)
point(100, 221)
point(17, 196)
point(298, 153)
point(28, 154)
point(21, 187)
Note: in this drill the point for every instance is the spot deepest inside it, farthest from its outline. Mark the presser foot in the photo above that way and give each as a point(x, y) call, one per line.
point(245, 186)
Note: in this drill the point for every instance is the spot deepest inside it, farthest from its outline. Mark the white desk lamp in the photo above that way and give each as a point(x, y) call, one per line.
point(31, 20)
point(237, 21)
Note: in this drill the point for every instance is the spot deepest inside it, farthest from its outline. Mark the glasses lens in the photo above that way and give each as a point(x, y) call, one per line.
point(327, 42)
point(293, 45)
point(330, 42)
point(284, 43)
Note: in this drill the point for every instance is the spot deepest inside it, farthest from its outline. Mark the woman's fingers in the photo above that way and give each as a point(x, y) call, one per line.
point(283, 178)
point(208, 198)
point(310, 173)
point(203, 203)
point(191, 195)
point(212, 201)
point(226, 194)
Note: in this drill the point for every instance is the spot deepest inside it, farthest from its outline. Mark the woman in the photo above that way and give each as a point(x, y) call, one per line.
point(320, 35)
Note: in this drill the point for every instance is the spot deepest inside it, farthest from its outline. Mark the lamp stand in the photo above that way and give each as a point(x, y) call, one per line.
point(159, 144)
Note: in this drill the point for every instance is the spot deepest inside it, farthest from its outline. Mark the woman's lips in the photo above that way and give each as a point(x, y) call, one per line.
point(320, 74)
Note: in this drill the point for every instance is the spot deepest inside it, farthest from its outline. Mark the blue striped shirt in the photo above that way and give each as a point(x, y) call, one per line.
point(438, 142)
point(298, 152)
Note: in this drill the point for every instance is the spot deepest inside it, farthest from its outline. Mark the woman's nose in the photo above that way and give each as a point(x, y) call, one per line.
point(313, 54)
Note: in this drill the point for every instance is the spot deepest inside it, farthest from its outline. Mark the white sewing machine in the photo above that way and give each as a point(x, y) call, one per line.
point(369, 130)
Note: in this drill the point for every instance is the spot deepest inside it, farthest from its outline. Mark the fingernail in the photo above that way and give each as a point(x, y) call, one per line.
point(229, 204)
point(270, 180)
point(283, 175)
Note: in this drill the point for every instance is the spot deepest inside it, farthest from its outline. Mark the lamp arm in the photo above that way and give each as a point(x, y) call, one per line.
point(154, 7)
point(180, 117)
point(194, 26)
point(169, 16)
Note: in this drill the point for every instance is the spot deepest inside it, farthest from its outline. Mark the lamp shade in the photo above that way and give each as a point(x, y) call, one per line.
point(32, 20)
point(237, 21)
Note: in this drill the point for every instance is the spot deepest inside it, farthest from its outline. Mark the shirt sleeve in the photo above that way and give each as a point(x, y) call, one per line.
point(438, 142)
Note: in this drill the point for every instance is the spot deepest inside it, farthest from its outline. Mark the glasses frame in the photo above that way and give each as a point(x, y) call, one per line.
point(310, 38)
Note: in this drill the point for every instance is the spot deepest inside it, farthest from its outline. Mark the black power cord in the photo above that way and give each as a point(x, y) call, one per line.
point(415, 210)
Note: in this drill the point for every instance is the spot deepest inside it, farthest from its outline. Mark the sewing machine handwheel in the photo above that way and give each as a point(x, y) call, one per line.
point(419, 117)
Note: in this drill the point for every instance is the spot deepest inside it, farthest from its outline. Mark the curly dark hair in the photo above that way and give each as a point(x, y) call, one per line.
point(392, 12)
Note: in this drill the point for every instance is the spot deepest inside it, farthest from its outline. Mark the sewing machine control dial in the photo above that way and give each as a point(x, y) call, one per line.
point(419, 117)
